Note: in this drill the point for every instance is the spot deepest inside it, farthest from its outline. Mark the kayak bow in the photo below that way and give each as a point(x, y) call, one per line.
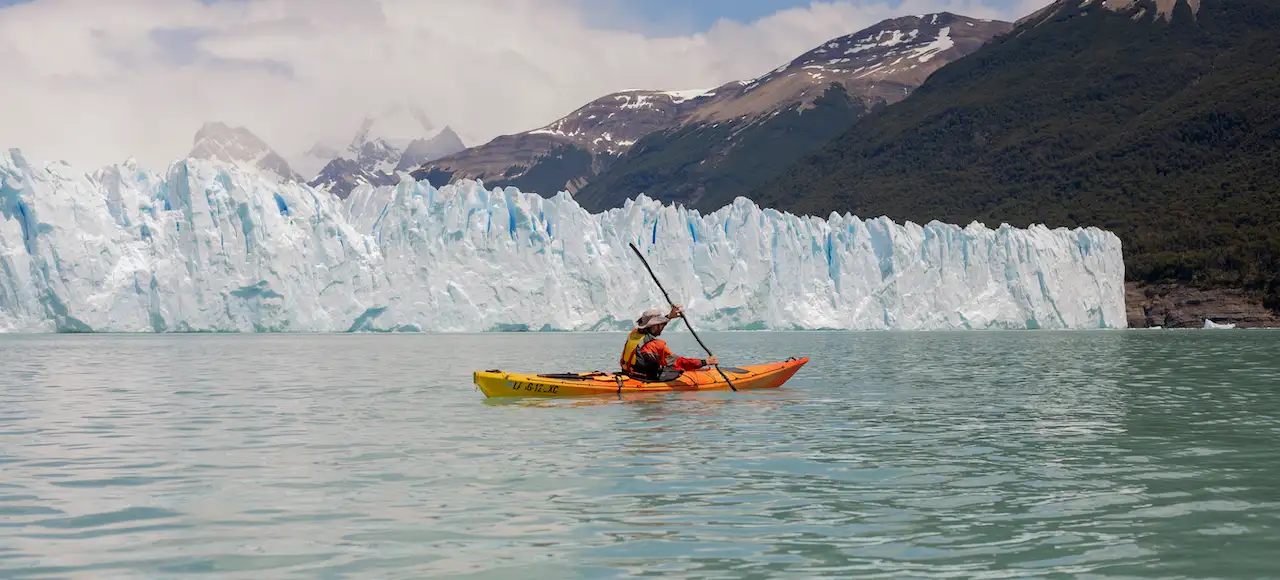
point(496, 383)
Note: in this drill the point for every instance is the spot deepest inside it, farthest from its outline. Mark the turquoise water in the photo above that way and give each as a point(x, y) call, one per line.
point(932, 455)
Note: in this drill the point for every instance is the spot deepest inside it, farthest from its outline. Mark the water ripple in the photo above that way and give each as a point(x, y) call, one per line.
point(933, 455)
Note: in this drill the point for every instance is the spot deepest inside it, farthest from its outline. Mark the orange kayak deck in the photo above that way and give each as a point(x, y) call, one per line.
point(496, 383)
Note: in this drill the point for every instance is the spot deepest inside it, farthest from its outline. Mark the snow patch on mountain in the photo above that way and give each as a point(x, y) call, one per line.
point(393, 140)
point(219, 141)
point(382, 138)
point(940, 43)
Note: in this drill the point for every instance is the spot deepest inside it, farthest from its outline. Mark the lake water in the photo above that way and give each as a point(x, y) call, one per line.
point(933, 455)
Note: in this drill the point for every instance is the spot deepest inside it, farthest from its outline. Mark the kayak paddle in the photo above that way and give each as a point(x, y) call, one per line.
point(686, 320)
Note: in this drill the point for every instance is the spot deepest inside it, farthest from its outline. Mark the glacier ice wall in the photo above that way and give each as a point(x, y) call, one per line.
point(209, 246)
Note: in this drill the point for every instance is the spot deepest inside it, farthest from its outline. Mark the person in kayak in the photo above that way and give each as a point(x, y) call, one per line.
point(644, 355)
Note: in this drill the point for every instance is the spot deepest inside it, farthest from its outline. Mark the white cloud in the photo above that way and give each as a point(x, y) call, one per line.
point(94, 82)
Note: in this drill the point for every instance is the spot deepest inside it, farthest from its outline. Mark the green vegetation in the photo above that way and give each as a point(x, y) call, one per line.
point(549, 173)
point(435, 176)
point(1166, 133)
point(706, 166)
point(547, 176)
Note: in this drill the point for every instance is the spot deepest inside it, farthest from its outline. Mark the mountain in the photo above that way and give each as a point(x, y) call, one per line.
point(420, 151)
point(311, 162)
point(393, 140)
point(754, 129)
point(704, 165)
point(219, 141)
point(383, 138)
point(566, 153)
point(703, 147)
point(1155, 119)
point(880, 64)
point(342, 175)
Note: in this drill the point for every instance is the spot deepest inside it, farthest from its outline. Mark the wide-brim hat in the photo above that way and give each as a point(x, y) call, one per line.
point(652, 317)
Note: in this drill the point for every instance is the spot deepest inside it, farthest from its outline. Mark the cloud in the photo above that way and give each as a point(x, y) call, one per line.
point(95, 82)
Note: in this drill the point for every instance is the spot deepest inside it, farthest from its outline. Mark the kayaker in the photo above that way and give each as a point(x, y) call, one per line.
point(644, 355)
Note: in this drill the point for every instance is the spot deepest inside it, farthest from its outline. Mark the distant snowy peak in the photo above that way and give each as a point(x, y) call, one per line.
point(612, 123)
point(314, 159)
point(419, 151)
point(219, 141)
point(566, 153)
point(903, 50)
point(342, 175)
point(395, 139)
point(397, 124)
point(884, 62)
point(321, 150)
point(383, 137)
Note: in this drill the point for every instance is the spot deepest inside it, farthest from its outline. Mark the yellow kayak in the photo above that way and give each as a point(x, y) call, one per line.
point(496, 383)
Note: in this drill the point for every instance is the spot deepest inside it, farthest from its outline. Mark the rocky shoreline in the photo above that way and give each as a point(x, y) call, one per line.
point(1173, 305)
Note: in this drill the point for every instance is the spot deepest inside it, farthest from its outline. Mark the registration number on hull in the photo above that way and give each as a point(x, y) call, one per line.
point(533, 387)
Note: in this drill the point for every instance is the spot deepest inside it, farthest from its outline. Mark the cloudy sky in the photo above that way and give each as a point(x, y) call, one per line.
point(97, 81)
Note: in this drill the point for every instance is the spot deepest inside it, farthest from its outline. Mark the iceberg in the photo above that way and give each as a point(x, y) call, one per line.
point(211, 246)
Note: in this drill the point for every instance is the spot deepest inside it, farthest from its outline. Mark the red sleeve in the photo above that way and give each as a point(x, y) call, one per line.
point(688, 364)
point(659, 347)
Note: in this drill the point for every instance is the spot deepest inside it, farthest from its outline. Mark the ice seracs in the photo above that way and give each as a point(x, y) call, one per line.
point(212, 246)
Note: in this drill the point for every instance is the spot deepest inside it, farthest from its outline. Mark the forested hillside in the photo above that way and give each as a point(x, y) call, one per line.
point(706, 166)
point(1161, 126)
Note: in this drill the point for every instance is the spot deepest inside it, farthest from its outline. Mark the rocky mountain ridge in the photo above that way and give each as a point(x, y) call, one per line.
point(218, 140)
point(750, 130)
point(876, 66)
point(393, 140)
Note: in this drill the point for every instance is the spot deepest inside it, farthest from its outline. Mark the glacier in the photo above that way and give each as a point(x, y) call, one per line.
point(210, 246)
